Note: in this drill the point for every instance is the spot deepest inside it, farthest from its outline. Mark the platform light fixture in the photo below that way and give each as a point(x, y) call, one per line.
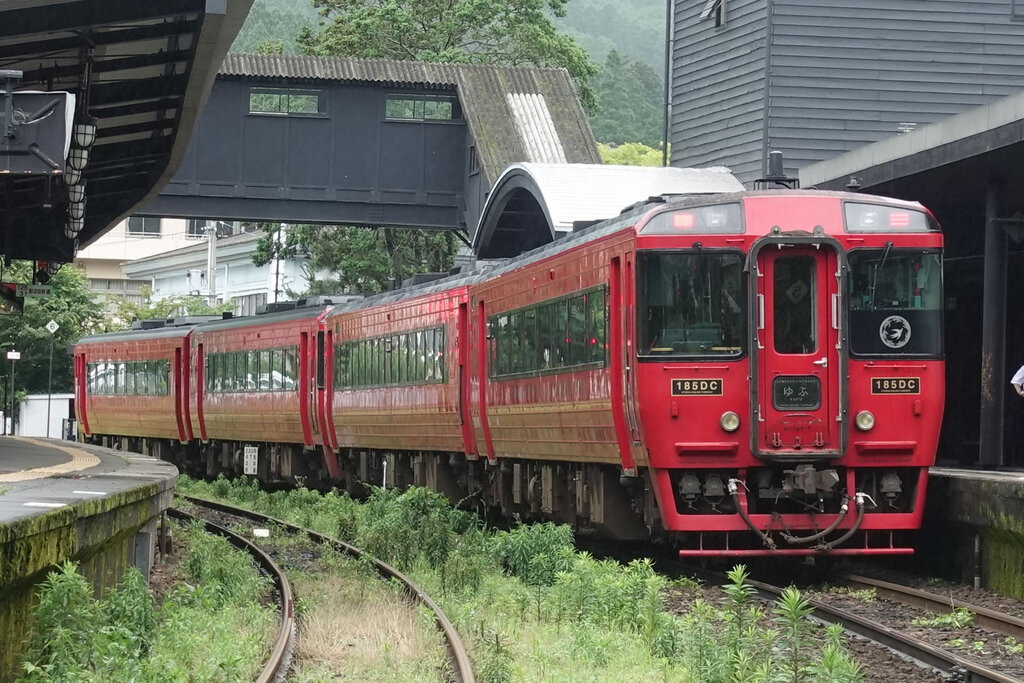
point(72, 176)
point(76, 192)
point(76, 210)
point(78, 158)
point(85, 132)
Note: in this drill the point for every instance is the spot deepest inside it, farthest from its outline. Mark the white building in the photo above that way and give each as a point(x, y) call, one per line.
point(172, 257)
point(32, 414)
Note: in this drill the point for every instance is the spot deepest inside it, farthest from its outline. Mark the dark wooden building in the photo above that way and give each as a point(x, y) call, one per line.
point(369, 141)
point(817, 79)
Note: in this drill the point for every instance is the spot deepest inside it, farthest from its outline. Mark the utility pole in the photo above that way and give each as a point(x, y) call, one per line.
point(52, 328)
point(277, 261)
point(12, 356)
point(211, 262)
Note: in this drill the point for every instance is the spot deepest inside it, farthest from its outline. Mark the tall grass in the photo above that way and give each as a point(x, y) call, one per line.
point(212, 628)
point(533, 608)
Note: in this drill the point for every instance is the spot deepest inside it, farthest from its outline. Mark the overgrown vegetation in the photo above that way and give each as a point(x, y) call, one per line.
point(533, 608)
point(210, 627)
point(961, 617)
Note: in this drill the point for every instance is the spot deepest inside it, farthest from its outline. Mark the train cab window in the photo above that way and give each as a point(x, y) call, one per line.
point(691, 304)
point(895, 302)
point(793, 304)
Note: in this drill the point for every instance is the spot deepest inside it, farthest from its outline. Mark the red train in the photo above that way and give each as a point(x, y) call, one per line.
point(751, 373)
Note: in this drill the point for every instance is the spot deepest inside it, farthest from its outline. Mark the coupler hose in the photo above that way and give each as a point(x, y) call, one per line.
point(856, 525)
point(734, 492)
point(801, 540)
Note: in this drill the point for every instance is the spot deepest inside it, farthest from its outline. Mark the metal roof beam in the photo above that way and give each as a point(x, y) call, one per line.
point(76, 16)
point(46, 48)
point(137, 89)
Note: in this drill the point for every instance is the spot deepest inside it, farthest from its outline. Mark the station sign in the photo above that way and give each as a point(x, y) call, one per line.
point(14, 355)
point(29, 291)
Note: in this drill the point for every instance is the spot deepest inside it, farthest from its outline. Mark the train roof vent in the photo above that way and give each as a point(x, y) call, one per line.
point(321, 300)
point(275, 307)
point(184, 320)
point(149, 323)
point(423, 278)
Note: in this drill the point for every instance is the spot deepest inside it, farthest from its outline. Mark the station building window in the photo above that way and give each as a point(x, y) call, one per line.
point(403, 107)
point(286, 101)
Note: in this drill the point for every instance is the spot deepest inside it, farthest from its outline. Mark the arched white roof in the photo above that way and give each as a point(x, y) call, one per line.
point(530, 202)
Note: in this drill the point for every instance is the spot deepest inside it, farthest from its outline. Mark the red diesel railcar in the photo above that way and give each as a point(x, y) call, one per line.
point(751, 373)
point(134, 384)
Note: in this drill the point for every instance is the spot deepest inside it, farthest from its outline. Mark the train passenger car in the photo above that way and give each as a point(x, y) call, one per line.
point(132, 387)
point(253, 380)
point(394, 378)
point(549, 401)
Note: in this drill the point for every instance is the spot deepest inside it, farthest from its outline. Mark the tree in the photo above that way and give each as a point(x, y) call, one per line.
point(630, 154)
point(350, 258)
point(504, 32)
point(630, 100)
point(276, 23)
point(71, 305)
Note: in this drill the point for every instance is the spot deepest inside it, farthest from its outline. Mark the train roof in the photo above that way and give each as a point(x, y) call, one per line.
point(136, 335)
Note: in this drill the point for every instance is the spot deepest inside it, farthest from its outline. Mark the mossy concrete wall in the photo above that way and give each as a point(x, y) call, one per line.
point(99, 534)
point(965, 510)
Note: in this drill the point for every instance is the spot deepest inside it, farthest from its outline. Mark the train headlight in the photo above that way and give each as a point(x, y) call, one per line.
point(865, 420)
point(730, 421)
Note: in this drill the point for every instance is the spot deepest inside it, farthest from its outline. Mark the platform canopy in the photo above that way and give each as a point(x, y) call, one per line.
point(142, 69)
point(530, 204)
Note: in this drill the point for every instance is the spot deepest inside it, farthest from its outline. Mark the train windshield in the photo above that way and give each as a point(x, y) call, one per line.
point(691, 303)
point(895, 302)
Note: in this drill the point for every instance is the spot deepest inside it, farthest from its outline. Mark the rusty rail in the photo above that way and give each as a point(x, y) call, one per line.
point(462, 670)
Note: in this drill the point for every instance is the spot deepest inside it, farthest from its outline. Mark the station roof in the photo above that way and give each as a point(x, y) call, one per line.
point(513, 113)
point(144, 68)
point(530, 204)
point(945, 165)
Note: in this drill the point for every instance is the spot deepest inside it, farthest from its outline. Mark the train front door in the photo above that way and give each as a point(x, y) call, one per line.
point(798, 351)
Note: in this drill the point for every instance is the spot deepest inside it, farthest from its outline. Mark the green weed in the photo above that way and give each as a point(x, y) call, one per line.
point(961, 617)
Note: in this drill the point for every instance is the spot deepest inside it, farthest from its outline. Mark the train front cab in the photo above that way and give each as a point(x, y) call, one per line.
point(790, 373)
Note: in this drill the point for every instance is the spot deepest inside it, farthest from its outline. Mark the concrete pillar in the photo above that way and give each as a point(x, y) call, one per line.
point(144, 550)
point(993, 332)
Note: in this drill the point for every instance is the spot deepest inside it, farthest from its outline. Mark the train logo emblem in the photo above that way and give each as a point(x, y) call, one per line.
point(894, 331)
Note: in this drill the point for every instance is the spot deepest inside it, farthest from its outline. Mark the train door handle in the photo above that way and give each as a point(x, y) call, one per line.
point(823, 362)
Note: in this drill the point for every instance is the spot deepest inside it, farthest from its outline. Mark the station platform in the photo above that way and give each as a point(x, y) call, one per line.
point(973, 529)
point(63, 500)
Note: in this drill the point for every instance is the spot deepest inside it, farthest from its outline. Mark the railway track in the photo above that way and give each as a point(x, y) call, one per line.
point(952, 666)
point(276, 665)
point(992, 620)
point(459, 662)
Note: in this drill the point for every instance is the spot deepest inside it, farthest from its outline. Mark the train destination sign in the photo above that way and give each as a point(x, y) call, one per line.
point(697, 387)
point(895, 385)
point(800, 392)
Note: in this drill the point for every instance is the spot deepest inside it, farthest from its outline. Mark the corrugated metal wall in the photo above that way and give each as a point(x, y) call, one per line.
point(845, 74)
point(842, 74)
point(718, 87)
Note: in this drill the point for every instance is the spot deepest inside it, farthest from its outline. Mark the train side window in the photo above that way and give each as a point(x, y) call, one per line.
point(265, 377)
point(596, 322)
point(492, 345)
point(428, 356)
point(252, 371)
point(290, 369)
point(99, 385)
point(529, 350)
point(560, 328)
point(577, 330)
point(441, 367)
point(515, 361)
point(129, 378)
point(503, 344)
point(163, 369)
